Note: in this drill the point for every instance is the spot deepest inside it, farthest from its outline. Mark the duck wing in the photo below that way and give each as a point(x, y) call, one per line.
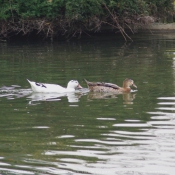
point(104, 84)
point(44, 87)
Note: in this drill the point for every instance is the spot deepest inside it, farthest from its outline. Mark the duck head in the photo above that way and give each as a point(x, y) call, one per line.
point(128, 82)
point(73, 84)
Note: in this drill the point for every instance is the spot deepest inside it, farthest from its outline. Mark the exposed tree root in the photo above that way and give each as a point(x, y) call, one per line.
point(73, 27)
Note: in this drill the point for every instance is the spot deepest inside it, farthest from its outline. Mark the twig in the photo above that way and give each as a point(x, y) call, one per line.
point(115, 19)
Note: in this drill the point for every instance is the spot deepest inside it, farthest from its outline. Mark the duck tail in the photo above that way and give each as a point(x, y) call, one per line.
point(30, 82)
point(86, 81)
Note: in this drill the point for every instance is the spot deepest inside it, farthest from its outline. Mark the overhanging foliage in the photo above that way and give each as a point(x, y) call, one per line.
point(73, 17)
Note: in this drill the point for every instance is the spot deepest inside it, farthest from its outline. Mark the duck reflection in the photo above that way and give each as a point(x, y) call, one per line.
point(127, 97)
point(72, 97)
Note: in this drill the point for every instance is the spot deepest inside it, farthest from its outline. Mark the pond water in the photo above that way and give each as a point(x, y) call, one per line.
point(82, 132)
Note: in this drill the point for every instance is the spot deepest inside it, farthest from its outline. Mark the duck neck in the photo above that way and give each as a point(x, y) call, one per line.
point(126, 88)
point(125, 85)
point(70, 89)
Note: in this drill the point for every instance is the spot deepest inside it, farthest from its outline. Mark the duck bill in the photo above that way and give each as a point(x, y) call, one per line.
point(134, 85)
point(79, 87)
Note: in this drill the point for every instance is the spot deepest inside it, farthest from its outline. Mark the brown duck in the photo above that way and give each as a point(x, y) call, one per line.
point(109, 87)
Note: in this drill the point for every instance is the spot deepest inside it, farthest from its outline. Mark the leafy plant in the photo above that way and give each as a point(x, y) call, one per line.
point(75, 16)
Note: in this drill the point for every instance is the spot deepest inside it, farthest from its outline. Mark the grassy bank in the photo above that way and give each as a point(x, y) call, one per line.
point(72, 18)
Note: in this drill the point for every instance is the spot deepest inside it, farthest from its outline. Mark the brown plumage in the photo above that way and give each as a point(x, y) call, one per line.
point(109, 87)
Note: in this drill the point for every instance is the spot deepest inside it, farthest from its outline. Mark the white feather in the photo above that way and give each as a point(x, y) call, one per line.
point(45, 87)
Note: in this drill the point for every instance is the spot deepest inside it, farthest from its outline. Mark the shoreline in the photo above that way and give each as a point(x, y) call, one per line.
point(151, 28)
point(164, 27)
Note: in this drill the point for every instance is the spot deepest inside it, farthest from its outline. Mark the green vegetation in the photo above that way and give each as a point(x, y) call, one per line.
point(74, 17)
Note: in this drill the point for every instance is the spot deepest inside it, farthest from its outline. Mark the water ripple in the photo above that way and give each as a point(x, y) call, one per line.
point(102, 142)
point(140, 125)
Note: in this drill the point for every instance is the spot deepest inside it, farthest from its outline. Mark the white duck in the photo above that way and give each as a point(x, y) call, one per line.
point(42, 87)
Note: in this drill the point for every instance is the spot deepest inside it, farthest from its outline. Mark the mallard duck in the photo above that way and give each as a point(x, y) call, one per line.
point(109, 87)
point(45, 87)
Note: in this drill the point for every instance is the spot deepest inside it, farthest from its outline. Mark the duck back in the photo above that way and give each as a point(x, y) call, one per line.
point(44, 87)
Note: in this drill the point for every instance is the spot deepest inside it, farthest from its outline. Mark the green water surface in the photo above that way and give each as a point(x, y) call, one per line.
point(86, 133)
